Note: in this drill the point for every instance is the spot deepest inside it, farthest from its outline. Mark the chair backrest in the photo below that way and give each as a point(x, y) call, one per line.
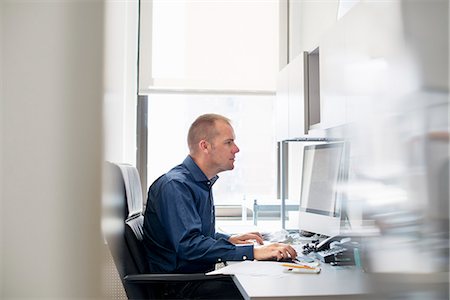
point(122, 223)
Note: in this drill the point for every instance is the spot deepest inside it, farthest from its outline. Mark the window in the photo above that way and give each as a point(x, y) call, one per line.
point(254, 175)
point(211, 56)
point(213, 45)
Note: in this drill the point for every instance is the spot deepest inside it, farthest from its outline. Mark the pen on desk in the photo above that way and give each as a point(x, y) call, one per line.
point(297, 266)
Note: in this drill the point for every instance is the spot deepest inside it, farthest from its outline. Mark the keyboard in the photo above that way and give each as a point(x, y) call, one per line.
point(281, 236)
point(297, 242)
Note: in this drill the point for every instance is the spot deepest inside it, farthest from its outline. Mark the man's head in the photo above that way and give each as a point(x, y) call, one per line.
point(211, 144)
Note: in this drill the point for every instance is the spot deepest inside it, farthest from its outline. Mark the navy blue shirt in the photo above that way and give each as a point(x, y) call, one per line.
point(179, 224)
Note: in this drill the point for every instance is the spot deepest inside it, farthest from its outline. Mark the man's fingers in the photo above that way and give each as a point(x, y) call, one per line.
point(292, 252)
point(254, 236)
point(275, 251)
point(244, 242)
point(277, 255)
point(258, 238)
point(284, 251)
point(257, 233)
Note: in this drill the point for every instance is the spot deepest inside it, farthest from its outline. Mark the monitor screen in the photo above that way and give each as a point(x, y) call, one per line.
point(320, 201)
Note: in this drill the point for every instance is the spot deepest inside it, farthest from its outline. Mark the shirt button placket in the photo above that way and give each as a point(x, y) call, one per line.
point(211, 201)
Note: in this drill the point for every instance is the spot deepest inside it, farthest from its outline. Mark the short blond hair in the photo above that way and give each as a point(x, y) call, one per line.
point(204, 128)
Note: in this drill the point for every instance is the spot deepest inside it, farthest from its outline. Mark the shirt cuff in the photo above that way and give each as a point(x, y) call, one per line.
point(224, 236)
point(244, 252)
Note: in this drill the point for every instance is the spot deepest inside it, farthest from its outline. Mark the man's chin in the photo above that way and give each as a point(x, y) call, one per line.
point(230, 167)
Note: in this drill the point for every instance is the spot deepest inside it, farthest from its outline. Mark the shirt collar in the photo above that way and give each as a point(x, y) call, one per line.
point(197, 172)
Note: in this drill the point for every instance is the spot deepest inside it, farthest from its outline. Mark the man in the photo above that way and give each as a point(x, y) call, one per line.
point(179, 226)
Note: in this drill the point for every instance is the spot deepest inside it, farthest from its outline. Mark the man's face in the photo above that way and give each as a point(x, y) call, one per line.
point(223, 149)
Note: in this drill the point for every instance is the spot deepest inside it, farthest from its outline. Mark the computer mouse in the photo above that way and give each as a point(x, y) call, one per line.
point(287, 260)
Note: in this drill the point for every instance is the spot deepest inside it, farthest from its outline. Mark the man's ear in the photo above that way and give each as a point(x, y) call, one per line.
point(203, 146)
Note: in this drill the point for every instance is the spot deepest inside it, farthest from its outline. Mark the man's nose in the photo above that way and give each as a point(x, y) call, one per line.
point(236, 149)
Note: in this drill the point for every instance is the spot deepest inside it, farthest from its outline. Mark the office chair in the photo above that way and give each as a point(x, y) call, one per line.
point(122, 224)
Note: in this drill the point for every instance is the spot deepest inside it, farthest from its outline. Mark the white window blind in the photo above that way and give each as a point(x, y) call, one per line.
point(209, 45)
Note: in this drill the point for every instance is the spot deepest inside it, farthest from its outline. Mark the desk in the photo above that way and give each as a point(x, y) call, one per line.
point(266, 280)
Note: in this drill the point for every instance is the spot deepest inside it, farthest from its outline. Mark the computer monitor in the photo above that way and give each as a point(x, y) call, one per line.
point(320, 199)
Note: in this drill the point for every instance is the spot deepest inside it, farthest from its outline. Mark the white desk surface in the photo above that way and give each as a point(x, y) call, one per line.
point(266, 280)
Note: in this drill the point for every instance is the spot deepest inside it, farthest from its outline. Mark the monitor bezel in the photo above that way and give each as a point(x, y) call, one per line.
point(320, 221)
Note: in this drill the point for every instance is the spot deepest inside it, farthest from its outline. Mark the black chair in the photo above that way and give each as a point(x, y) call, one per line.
point(122, 224)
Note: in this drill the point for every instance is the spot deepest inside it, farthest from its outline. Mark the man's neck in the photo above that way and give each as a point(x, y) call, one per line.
point(203, 166)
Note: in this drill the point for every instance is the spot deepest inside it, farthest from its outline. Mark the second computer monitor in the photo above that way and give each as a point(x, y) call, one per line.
point(320, 198)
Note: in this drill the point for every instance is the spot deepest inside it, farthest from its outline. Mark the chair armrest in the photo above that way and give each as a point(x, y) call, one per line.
point(149, 278)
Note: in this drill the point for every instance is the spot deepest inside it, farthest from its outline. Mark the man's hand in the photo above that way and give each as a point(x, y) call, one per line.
point(247, 238)
point(274, 251)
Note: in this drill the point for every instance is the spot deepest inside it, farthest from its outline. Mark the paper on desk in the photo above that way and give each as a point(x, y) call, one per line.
point(254, 268)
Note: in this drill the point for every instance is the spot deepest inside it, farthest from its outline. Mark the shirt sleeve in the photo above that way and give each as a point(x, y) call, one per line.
point(220, 235)
point(180, 217)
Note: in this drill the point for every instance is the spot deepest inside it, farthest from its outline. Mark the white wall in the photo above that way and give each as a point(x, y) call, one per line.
point(51, 148)
point(121, 23)
point(212, 45)
point(1, 148)
point(384, 83)
point(309, 20)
